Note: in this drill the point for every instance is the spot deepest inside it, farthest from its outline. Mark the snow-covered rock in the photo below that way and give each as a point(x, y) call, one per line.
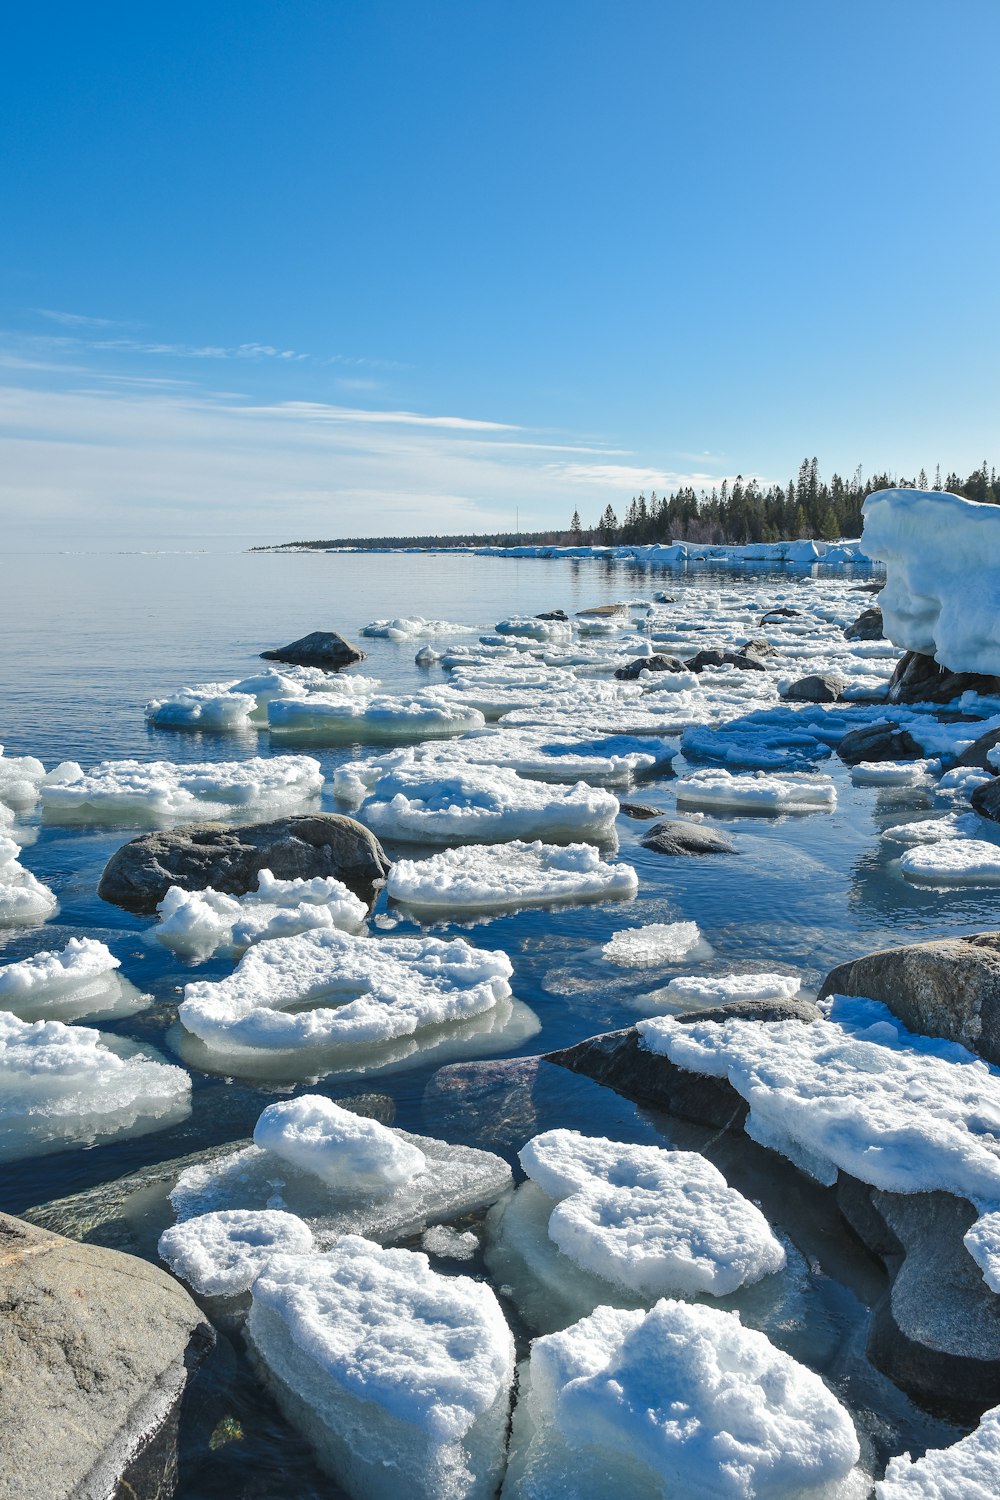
point(398, 1377)
point(497, 877)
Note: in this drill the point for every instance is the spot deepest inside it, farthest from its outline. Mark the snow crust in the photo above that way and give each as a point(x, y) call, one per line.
point(678, 1401)
point(490, 877)
point(156, 793)
point(757, 794)
point(968, 1470)
point(222, 1254)
point(399, 1377)
point(657, 943)
point(197, 923)
point(942, 592)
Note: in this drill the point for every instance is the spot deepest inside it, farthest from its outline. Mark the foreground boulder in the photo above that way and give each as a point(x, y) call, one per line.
point(867, 627)
point(684, 836)
point(321, 648)
point(139, 874)
point(919, 679)
point(95, 1352)
point(948, 988)
point(878, 742)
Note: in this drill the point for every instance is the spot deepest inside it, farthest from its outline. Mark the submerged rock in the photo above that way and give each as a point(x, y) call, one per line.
point(816, 688)
point(95, 1352)
point(321, 648)
point(639, 810)
point(883, 741)
point(139, 874)
point(946, 988)
point(683, 836)
point(919, 679)
point(867, 627)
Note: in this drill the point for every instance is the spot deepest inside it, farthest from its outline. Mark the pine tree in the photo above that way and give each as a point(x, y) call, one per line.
point(937, 477)
point(922, 479)
point(575, 529)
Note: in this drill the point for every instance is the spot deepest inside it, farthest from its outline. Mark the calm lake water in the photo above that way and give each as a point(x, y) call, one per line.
point(90, 637)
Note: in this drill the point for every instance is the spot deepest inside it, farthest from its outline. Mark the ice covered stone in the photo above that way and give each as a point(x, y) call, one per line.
point(721, 989)
point(678, 1401)
point(757, 794)
point(78, 981)
point(954, 861)
point(24, 900)
point(657, 943)
point(327, 988)
point(349, 1152)
point(64, 1086)
point(495, 877)
point(222, 1254)
point(155, 793)
point(399, 1377)
point(480, 804)
point(968, 1470)
point(196, 923)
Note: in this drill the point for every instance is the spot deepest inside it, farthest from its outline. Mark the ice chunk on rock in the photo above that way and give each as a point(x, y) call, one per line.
point(347, 1151)
point(64, 1086)
point(222, 1254)
point(327, 988)
point(483, 804)
point(651, 1220)
point(399, 1377)
point(723, 989)
point(657, 943)
point(483, 877)
point(954, 861)
point(968, 1470)
point(80, 980)
point(757, 794)
point(196, 923)
point(24, 900)
point(678, 1401)
point(157, 793)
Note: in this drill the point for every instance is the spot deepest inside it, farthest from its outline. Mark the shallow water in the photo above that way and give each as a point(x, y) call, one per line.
point(90, 637)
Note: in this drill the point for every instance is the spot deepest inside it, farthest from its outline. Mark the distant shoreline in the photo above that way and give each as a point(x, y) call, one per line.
point(799, 553)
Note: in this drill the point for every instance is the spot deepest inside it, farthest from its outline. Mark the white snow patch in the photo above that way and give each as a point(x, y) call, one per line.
point(968, 1470)
point(222, 1254)
point(954, 861)
point(78, 981)
point(892, 772)
point(723, 989)
point(347, 1151)
point(196, 923)
point(155, 793)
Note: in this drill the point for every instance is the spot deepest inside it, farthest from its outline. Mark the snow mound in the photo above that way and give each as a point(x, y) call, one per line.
point(152, 794)
point(327, 988)
point(482, 804)
point(968, 1470)
point(757, 794)
point(399, 1377)
point(484, 877)
point(942, 591)
point(222, 1254)
point(63, 1086)
point(347, 1151)
point(728, 987)
point(954, 861)
point(80, 980)
point(678, 1401)
point(651, 1220)
point(658, 943)
point(24, 900)
point(196, 923)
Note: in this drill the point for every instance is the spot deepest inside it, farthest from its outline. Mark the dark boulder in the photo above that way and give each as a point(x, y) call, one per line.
point(639, 810)
point(867, 627)
point(758, 646)
point(780, 612)
point(986, 800)
point(139, 874)
point(322, 648)
point(883, 741)
point(657, 663)
point(816, 689)
point(716, 658)
point(553, 614)
point(684, 836)
point(978, 751)
point(919, 679)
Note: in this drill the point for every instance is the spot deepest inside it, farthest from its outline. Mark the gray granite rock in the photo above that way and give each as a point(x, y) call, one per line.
point(986, 800)
point(639, 810)
point(139, 874)
point(948, 988)
point(321, 648)
point(867, 627)
point(816, 688)
point(676, 836)
point(919, 679)
point(745, 661)
point(95, 1352)
point(976, 755)
point(656, 663)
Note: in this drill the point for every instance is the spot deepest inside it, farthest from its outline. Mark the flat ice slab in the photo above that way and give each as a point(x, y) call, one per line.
point(197, 923)
point(678, 1401)
point(325, 989)
point(480, 804)
point(64, 1086)
point(892, 772)
point(222, 1254)
point(725, 988)
point(757, 794)
point(968, 1470)
point(954, 861)
point(24, 900)
point(340, 719)
point(657, 943)
point(79, 981)
point(343, 1174)
point(398, 1377)
point(157, 793)
point(491, 877)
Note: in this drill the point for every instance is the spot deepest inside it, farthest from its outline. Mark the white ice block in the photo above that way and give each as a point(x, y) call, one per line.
point(76, 982)
point(724, 988)
point(196, 923)
point(968, 1470)
point(24, 900)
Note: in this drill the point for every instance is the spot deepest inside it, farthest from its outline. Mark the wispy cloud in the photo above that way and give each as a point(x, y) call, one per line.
point(76, 320)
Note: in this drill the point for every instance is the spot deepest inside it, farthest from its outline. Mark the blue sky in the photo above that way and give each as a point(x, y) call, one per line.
point(325, 267)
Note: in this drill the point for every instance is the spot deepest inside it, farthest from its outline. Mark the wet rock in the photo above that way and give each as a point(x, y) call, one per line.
point(553, 614)
point(321, 648)
point(816, 688)
point(781, 612)
point(947, 988)
point(139, 874)
point(638, 810)
point(919, 679)
point(95, 1352)
point(684, 836)
point(602, 612)
point(986, 800)
point(715, 658)
point(977, 753)
point(883, 741)
point(867, 627)
point(758, 646)
point(656, 663)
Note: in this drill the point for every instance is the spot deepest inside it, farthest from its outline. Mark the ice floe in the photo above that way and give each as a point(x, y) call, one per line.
point(968, 1470)
point(680, 1400)
point(197, 923)
point(399, 1377)
point(757, 794)
point(79, 981)
point(65, 1086)
point(725, 988)
point(151, 794)
point(24, 900)
point(222, 1254)
point(340, 719)
point(892, 773)
point(954, 861)
point(657, 943)
point(499, 877)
